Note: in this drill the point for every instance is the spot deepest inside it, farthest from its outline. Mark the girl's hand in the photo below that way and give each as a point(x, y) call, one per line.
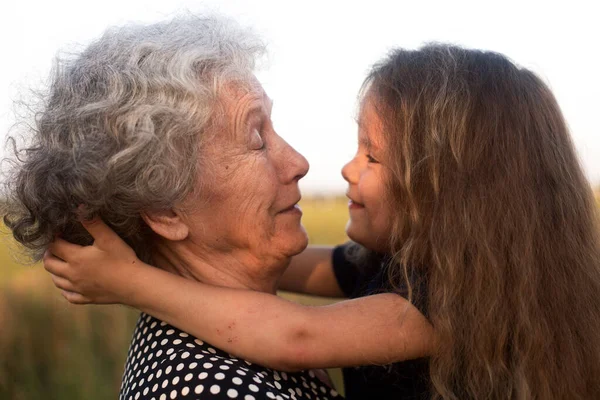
point(98, 274)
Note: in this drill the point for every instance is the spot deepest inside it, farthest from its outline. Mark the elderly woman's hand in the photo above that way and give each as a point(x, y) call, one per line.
point(96, 274)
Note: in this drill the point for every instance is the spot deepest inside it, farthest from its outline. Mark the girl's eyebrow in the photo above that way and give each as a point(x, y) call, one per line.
point(363, 140)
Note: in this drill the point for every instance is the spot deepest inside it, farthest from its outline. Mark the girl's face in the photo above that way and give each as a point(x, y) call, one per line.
point(370, 216)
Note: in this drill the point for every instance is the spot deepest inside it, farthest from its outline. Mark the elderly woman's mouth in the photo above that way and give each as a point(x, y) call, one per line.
point(293, 209)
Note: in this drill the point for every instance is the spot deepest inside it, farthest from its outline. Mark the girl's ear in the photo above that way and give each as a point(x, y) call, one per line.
point(167, 223)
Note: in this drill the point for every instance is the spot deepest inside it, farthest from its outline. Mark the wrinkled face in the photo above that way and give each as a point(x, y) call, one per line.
point(248, 185)
point(370, 216)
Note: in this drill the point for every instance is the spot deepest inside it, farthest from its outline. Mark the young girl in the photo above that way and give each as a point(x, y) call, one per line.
point(466, 196)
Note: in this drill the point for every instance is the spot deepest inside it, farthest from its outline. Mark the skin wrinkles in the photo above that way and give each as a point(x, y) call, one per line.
point(238, 234)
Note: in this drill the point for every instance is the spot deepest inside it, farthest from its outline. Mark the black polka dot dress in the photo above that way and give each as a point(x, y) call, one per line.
point(165, 363)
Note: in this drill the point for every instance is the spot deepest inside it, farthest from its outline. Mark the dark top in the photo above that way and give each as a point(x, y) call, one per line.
point(399, 381)
point(165, 363)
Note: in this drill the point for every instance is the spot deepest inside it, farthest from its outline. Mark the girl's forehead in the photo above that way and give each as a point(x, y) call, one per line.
point(370, 125)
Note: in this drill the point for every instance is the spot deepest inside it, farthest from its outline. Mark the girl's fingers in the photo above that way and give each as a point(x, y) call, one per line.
point(75, 298)
point(62, 283)
point(104, 236)
point(63, 249)
point(55, 265)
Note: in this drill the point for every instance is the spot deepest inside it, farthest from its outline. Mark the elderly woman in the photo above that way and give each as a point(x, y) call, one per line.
point(165, 133)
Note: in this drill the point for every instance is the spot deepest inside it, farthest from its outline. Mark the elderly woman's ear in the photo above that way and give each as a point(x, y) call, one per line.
point(167, 223)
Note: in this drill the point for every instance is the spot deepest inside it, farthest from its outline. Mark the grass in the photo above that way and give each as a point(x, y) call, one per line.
point(50, 349)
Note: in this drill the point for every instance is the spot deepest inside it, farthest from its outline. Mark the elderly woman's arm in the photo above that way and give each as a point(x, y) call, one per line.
point(256, 326)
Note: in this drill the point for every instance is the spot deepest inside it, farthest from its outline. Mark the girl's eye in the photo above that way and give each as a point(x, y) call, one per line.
point(371, 159)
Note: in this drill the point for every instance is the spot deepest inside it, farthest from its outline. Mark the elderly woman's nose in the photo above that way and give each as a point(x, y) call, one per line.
point(294, 164)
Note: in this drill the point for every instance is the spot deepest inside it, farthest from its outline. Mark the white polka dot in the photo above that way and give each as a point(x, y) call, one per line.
point(173, 356)
point(150, 377)
point(214, 389)
point(185, 355)
point(185, 391)
point(159, 332)
point(190, 345)
point(232, 393)
point(278, 385)
point(163, 397)
point(199, 389)
point(240, 372)
point(163, 342)
point(257, 379)
point(170, 351)
point(299, 392)
point(203, 375)
point(210, 349)
point(168, 370)
point(249, 397)
point(237, 381)
point(198, 342)
point(158, 353)
point(270, 395)
point(154, 364)
point(193, 365)
point(253, 387)
point(159, 373)
point(137, 395)
point(165, 383)
point(224, 367)
point(177, 341)
point(183, 334)
point(198, 356)
point(173, 394)
point(207, 365)
point(220, 376)
point(214, 358)
point(188, 377)
point(153, 325)
point(170, 331)
point(175, 380)
point(155, 387)
point(146, 391)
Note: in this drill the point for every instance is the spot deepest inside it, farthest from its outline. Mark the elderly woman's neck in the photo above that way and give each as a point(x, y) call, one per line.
point(238, 270)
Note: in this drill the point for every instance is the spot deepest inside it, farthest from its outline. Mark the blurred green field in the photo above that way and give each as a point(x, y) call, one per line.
point(52, 350)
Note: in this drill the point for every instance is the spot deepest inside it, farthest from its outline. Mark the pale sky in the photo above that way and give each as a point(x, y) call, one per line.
point(320, 51)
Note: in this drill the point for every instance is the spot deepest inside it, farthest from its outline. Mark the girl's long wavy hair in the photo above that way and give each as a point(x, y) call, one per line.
point(491, 205)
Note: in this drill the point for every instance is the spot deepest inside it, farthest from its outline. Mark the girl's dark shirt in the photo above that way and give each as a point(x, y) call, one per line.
point(407, 380)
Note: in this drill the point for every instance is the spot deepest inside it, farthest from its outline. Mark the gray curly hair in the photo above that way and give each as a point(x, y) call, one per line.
point(121, 127)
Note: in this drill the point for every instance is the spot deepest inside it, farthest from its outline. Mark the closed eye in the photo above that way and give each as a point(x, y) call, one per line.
point(371, 159)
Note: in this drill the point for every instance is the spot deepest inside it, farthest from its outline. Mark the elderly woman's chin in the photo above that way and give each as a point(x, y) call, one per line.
point(292, 236)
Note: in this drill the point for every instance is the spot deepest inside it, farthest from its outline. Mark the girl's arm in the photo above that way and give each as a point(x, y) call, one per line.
point(258, 327)
point(311, 272)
